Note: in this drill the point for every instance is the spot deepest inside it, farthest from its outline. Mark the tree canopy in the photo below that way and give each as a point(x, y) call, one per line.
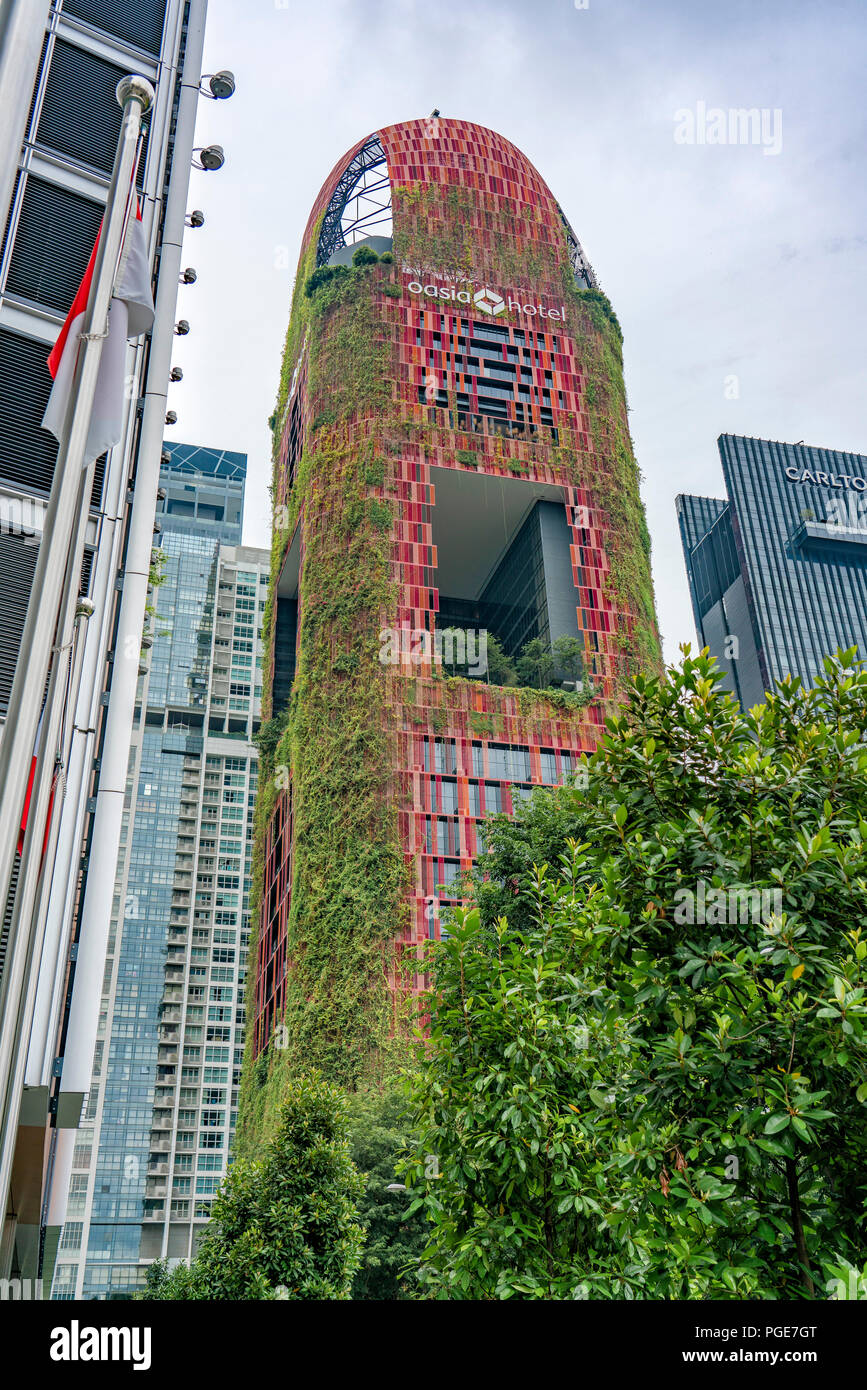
point(646, 1071)
point(285, 1226)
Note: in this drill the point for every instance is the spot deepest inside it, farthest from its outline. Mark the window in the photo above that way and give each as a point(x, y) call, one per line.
point(449, 873)
point(449, 798)
point(493, 797)
point(442, 758)
point(447, 836)
point(71, 1238)
point(508, 764)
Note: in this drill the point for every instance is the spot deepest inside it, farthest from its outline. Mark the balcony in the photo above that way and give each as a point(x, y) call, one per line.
point(849, 532)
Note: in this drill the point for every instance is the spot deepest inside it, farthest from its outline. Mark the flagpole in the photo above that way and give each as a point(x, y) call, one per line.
point(44, 815)
point(61, 546)
point(40, 835)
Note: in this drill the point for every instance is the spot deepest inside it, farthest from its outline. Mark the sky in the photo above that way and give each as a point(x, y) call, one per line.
point(738, 271)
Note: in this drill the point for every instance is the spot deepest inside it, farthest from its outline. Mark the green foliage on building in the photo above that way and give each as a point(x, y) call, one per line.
point(337, 737)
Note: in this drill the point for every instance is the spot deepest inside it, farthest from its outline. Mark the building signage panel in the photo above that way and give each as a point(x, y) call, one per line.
point(482, 297)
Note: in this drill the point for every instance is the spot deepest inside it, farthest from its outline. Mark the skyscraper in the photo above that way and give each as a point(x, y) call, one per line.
point(778, 569)
point(59, 194)
point(155, 1134)
point(451, 451)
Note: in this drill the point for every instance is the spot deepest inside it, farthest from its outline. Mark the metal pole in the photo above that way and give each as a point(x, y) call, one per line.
point(22, 27)
point(95, 912)
point(27, 918)
point(60, 549)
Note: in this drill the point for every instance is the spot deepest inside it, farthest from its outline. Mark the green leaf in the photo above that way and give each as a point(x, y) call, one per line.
point(776, 1123)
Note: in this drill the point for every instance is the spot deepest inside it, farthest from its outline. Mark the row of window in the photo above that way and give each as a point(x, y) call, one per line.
point(504, 761)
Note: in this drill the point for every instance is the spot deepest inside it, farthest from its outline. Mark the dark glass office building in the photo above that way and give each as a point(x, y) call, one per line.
point(778, 570)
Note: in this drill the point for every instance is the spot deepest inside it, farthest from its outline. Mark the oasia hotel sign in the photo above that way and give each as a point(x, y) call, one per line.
point(485, 300)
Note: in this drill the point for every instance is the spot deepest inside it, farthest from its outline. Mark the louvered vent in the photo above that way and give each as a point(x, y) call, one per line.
point(87, 126)
point(55, 237)
point(141, 23)
point(86, 571)
point(17, 563)
point(7, 914)
point(27, 452)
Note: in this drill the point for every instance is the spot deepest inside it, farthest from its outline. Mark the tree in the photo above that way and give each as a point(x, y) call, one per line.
point(568, 653)
point(378, 1130)
point(535, 666)
point(500, 668)
point(646, 1068)
point(285, 1226)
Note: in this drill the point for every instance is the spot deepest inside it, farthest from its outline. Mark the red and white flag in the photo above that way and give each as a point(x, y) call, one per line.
point(131, 313)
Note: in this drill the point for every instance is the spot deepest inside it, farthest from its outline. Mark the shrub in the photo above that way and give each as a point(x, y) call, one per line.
point(285, 1226)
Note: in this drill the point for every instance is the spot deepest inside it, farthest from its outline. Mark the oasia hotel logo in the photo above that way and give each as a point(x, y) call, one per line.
point(488, 301)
